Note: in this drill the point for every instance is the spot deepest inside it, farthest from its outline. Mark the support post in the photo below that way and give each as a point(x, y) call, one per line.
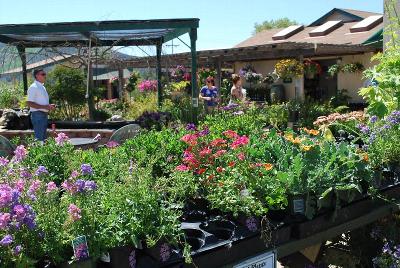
point(120, 83)
point(22, 55)
point(299, 84)
point(195, 91)
point(159, 86)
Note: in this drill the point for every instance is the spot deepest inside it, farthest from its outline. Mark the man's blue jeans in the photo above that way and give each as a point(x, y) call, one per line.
point(39, 122)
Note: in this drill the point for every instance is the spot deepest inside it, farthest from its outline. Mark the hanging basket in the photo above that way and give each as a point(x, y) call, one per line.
point(287, 80)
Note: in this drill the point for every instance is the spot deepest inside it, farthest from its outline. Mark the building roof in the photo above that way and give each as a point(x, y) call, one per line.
point(346, 15)
point(42, 63)
point(102, 33)
point(340, 36)
point(112, 74)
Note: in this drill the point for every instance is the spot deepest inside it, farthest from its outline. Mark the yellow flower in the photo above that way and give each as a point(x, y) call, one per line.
point(306, 148)
point(268, 166)
point(289, 137)
point(296, 140)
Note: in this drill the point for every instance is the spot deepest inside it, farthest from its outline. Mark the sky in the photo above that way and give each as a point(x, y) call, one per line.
point(223, 23)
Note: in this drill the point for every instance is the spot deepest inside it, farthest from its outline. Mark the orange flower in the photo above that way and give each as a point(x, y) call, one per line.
point(201, 171)
point(365, 157)
point(232, 164)
point(211, 177)
point(220, 184)
point(296, 140)
point(314, 132)
point(268, 166)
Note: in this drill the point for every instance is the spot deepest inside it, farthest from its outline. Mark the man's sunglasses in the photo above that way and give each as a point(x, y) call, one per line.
point(43, 74)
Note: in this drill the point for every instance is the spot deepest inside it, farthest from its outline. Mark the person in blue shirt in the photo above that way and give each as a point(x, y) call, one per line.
point(209, 94)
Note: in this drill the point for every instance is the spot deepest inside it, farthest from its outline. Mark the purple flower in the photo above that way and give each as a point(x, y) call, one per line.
point(373, 119)
point(41, 170)
point(6, 195)
point(74, 174)
point(4, 161)
point(80, 186)
point(6, 241)
point(396, 254)
point(17, 250)
point(191, 126)
point(386, 248)
point(165, 252)
point(86, 169)
point(90, 186)
point(25, 174)
point(61, 139)
point(20, 153)
point(204, 132)
point(363, 128)
point(19, 212)
point(251, 224)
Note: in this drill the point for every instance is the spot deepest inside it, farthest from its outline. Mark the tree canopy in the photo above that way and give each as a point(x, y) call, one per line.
point(273, 24)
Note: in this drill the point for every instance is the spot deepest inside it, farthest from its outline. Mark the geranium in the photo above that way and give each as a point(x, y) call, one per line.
point(182, 168)
point(230, 134)
point(240, 141)
point(190, 139)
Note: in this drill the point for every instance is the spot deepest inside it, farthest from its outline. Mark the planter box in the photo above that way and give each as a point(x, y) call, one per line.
point(89, 263)
point(123, 257)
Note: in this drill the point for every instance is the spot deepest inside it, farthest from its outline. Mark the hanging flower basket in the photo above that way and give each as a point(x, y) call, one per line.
point(287, 69)
point(311, 69)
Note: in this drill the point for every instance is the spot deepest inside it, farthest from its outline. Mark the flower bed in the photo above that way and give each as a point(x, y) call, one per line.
point(222, 178)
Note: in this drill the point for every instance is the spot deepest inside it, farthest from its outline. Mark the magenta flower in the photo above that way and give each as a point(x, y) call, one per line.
point(147, 85)
point(74, 212)
point(6, 195)
point(4, 161)
point(61, 139)
point(112, 144)
point(74, 174)
point(20, 153)
point(51, 186)
point(19, 211)
point(182, 168)
point(17, 250)
point(20, 184)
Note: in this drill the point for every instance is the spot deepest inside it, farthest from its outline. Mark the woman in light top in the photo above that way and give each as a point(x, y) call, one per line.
point(209, 94)
point(238, 94)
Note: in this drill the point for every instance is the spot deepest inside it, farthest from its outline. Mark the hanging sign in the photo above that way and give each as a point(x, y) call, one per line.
point(195, 102)
point(265, 260)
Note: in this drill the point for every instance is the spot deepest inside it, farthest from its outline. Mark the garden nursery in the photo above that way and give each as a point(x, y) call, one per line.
point(171, 194)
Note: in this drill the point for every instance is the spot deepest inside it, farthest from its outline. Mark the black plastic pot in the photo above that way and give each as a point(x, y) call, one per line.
point(194, 216)
point(162, 252)
point(195, 238)
point(123, 257)
point(89, 263)
point(277, 215)
point(221, 229)
point(250, 223)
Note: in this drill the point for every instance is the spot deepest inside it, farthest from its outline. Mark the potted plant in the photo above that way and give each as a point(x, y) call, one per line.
point(311, 68)
point(288, 69)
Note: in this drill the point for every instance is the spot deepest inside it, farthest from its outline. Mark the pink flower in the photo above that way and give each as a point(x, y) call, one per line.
point(51, 186)
point(148, 85)
point(20, 153)
point(190, 139)
point(4, 161)
point(69, 186)
point(19, 185)
point(5, 195)
point(74, 174)
point(19, 211)
point(241, 156)
point(182, 168)
point(61, 139)
point(74, 212)
point(35, 185)
point(5, 219)
point(219, 153)
point(240, 141)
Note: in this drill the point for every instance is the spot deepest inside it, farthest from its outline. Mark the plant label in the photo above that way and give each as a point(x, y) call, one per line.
point(265, 260)
point(81, 250)
point(195, 102)
point(298, 206)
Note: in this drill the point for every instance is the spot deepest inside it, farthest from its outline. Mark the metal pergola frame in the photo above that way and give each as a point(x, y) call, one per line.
point(105, 33)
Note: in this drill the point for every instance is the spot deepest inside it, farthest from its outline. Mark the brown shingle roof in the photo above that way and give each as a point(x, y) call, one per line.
point(360, 13)
point(341, 36)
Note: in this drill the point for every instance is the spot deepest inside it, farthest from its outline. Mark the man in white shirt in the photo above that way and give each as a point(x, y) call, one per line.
point(38, 101)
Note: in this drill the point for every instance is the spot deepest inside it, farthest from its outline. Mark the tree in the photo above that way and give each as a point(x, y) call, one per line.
point(273, 24)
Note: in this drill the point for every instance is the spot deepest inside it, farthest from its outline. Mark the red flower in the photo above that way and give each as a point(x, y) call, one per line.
point(218, 143)
point(230, 134)
point(212, 176)
point(220, 169)
point(231, 164)
point(201, 171)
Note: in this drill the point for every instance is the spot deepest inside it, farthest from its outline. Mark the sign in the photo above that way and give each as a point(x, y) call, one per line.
point(265, 260)
point(81, 251)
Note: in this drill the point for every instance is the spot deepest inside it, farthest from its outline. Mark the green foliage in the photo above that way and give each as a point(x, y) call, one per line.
point(10, 95)
point(141, 103)
point(274, 24)
point(66, 87)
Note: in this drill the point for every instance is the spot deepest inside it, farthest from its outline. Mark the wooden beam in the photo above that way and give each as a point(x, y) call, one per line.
point(78, 27)
point(158, 67)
